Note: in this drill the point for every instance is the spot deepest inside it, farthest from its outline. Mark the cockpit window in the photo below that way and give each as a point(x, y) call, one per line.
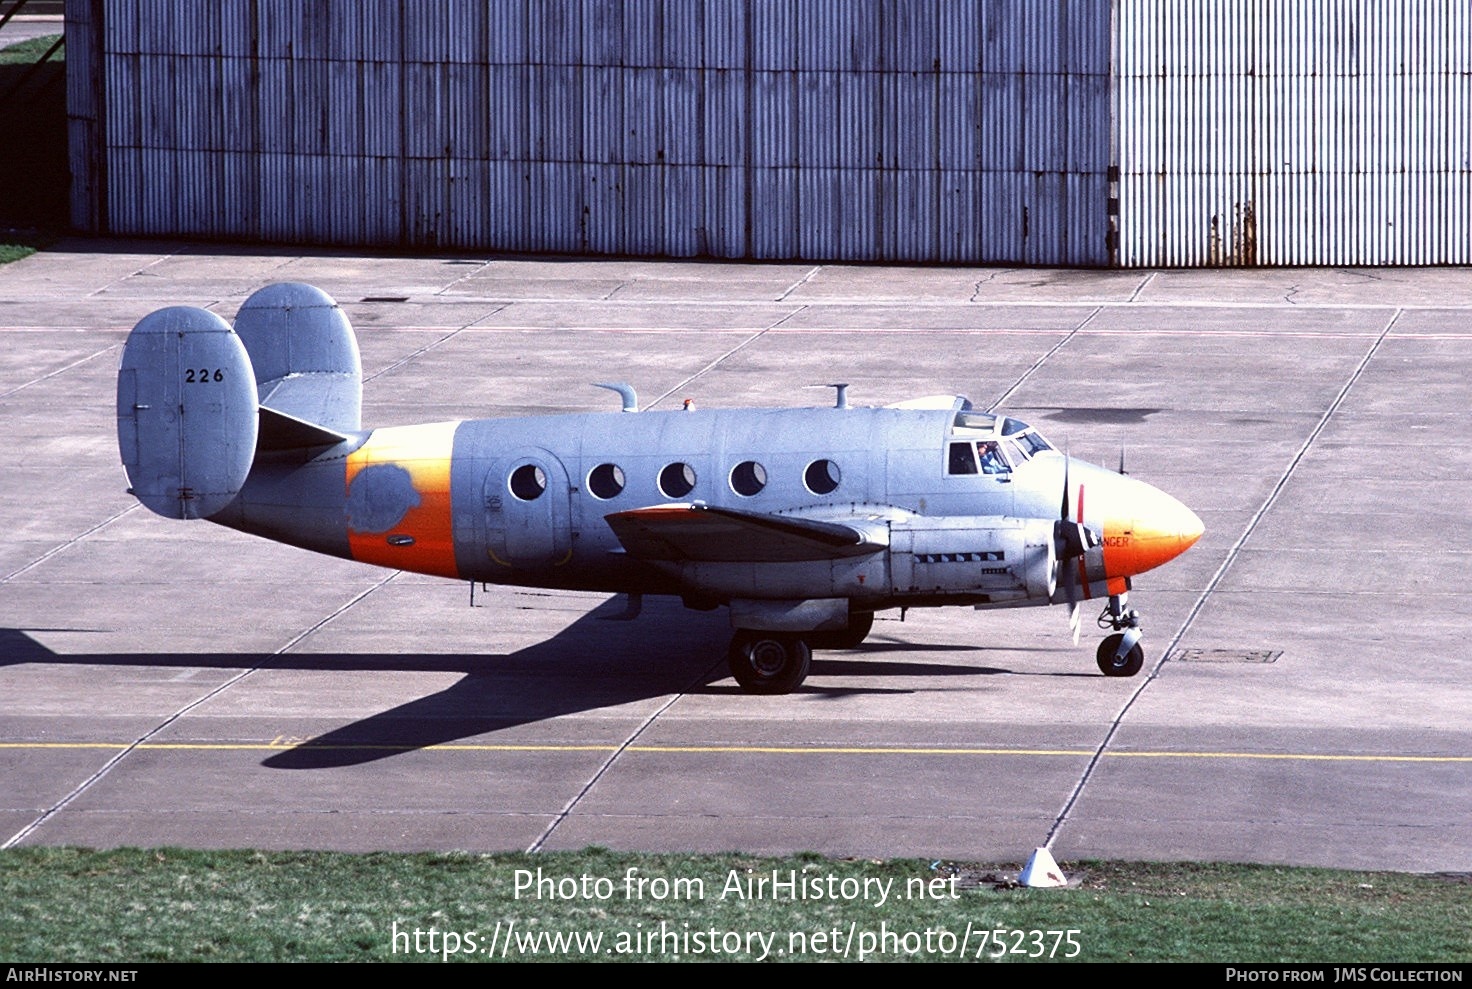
point(992, 461)
point(963, 458)
point(972, 457)
point(1032, 443)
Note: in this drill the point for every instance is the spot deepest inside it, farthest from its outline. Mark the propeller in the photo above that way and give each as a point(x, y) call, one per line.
point(1071, 541)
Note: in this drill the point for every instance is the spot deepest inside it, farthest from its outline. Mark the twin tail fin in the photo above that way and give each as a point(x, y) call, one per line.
point(200, 400)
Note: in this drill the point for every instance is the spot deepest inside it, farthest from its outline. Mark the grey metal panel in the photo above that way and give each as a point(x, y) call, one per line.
point(557, 198)
point(642, 208)
point(644, 116)
point(858, 216)
point(508, 113)
point(510, 208)
point(774, 213)
point(466, 221)
point(425, 108)
point(725, 131)
point(726, 31)
point(603, 198)
point(383, 200)
point(555, 34)
point(770, 119)
point(384, 109)
point(125, 179)
point(556, 126)
point(684, 205)
point(1277, 132)
point(241, 198)
point(724, 230)
point(596, 94)
point(764, 128)
point(771, 40)
point(680, 93)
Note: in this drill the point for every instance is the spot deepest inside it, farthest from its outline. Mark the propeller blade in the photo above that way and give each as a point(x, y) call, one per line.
point(1063, 511)
point(1073, 620)
point(1121, 460)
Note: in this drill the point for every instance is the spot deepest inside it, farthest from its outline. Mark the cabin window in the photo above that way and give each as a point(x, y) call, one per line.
point(677, 480)
point(528, 482)
point(822, 477)
point(748, 478)
point(606, 481)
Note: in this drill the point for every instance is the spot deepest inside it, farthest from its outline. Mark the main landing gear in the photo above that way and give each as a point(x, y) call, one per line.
point(769, 662)
point(1120, 654)
point(778, 662)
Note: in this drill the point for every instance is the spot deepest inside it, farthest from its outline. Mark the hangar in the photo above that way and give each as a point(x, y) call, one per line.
point(1105, 133)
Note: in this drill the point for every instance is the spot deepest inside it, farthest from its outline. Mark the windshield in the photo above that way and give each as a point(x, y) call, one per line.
point(982, 443)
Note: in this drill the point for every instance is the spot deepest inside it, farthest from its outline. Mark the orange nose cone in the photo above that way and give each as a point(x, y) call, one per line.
point(1154, 529)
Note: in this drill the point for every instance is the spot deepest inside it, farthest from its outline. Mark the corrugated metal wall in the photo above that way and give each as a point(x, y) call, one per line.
point(923, 130)
point(1290, 132)
point(1243, 131)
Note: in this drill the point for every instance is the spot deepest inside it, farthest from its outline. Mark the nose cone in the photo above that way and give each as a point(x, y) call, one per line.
point(1145, 528)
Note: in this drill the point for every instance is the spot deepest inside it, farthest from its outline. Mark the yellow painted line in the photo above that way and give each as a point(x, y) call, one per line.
point(277, 746)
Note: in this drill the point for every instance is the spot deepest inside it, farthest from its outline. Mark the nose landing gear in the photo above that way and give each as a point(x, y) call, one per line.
point(1120, 654)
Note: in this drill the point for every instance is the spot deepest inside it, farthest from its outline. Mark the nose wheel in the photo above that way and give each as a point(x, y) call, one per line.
point(1120, 654)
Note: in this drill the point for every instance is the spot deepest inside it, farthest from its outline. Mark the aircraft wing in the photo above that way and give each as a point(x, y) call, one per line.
point(726, 535)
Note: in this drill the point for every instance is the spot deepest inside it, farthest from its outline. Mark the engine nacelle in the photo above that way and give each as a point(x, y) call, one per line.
point(991, 559)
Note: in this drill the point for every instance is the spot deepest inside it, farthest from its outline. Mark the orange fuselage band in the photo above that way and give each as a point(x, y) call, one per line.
point(423, 539)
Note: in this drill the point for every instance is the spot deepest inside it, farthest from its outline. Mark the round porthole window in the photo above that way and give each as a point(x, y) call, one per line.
point(677, 480)
point(528, 482)
point(606, 481)
point(821, 477)
point(748, 478)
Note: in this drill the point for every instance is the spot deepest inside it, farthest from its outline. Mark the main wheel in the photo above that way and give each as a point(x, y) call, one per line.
point(769, 662)
point(1111, 664)
point(860, 623)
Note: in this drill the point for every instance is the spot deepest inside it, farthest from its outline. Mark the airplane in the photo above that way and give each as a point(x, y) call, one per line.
point(802, 522)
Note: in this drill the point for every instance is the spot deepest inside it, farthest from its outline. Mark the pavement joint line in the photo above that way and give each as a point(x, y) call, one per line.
point(143, 740)
point(1141, 287)
point(799, 283)
point(1043, 360)
point(469, 274)
point(1217, 578)
point(567, 809)
point(158, 260)
point(429, 346)
point(753, 338)
point(69, 543)
point(60, 370)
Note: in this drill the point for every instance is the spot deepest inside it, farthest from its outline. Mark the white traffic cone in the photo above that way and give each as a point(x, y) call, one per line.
point(1041, 870)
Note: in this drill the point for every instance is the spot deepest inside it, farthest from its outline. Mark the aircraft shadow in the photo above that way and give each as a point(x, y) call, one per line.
point(591, 664)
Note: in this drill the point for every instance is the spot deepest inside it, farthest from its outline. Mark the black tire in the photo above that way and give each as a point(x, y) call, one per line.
point(859, 625)
point(1122, 666)
point(769, 662)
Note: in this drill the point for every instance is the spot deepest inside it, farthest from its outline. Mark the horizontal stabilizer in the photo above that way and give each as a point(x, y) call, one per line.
point(280, 431)
point(186, 412)
point(725, 535)
point(304, 354)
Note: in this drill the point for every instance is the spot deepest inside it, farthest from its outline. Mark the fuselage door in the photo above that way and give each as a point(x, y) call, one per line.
point(527, 501)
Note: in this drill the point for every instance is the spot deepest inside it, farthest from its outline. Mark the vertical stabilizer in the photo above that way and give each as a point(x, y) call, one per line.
point(186, 412)
point(304, 354)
